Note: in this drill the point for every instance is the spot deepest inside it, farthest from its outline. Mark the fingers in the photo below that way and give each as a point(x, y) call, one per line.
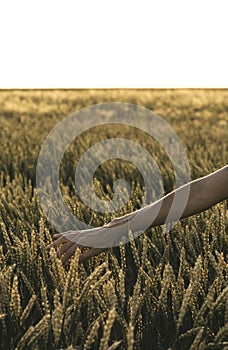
point(57, 235)
point(69, 253)
point(68, 248)
point(89, 253)
point(64, 248)
point(63, 237)
point(60, 240)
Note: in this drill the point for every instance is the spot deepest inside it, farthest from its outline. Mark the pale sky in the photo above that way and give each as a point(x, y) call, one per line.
point(111, 44)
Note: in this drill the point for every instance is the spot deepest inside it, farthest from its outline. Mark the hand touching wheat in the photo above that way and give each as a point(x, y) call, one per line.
point(68, 248)
point(204, 193)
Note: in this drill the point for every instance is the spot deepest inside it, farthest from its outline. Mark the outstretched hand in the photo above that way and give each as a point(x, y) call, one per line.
point(98, 238)
point(68, 247)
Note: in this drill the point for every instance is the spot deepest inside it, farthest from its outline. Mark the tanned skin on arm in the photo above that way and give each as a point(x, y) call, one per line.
point(204, 193)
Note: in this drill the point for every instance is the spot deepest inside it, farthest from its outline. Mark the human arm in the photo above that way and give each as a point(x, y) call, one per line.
point(202, 194)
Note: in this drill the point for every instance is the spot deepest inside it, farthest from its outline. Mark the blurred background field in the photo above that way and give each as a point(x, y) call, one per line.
point(161, 291)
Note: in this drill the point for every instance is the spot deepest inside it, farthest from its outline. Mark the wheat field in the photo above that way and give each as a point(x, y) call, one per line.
point(163, 290)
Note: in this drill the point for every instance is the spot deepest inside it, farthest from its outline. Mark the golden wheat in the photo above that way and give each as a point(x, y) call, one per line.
point(107, 329)
point(159, 291)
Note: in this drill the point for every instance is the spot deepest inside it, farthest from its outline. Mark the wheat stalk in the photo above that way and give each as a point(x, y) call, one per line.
point(28, 309)
point(130, 337)
point(15, 300)
point(92, 334)
point(107, 329)
point(184, 305)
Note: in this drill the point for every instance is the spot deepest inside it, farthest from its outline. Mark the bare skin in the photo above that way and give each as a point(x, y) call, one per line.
point(203, 194)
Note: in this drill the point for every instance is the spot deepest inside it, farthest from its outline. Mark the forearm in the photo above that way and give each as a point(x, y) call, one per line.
point(187, 200)
point(201, 194)
point(156, 213)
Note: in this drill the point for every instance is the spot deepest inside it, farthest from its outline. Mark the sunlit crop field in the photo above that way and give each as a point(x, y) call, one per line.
point(163, 290)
